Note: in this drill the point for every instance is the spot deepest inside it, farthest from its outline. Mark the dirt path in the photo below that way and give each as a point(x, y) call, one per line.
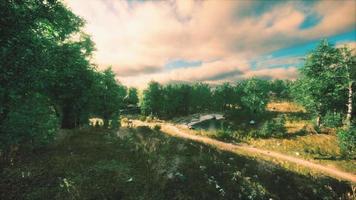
point(175, 131)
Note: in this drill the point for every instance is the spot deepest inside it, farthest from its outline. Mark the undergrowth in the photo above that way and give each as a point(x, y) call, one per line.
point(144, 164)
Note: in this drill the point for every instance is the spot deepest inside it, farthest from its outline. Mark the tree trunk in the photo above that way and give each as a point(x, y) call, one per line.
point(106, 122)
point(68, 119)
point(318, 121)
point(349, 107)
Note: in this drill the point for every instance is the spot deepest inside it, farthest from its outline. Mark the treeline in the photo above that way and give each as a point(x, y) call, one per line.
point(249, 95)
point(325, 87)
point(47, 79)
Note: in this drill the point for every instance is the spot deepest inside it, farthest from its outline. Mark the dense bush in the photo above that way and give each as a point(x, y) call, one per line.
point(33, 122)
point(142, 118)
point(148, 165)
point(332, 119)
point(115, 122)
point(223, 134)
point(157, 127)
point(347, 142)
point(273, 128)
point(179, 99)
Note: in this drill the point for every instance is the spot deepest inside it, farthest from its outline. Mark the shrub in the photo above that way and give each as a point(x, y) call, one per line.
point(144, 129)
point(115, 123)
point(347, 142)
point(157, 127)
point(97, 124)
point(150, 118)
point(33, 122)
point(273, 128)
point(223, 134)
point(142, 118)
point(332, 119)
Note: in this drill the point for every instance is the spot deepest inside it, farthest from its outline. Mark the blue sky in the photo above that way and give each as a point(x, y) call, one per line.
point(296, 51)
point(211, 41)
point(300, 50)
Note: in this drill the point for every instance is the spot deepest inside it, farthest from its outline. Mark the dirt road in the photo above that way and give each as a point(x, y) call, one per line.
point(245, 149)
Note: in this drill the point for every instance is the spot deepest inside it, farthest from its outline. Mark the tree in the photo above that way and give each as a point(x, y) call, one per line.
point(37, 44)
point(132, 97)
point(201, 97)
point(347, 142)
point(32, 122)
point(171, 101)
point(224, 96)
point(108, 97)
point(348, 72)
point(324, 80)
point(254, 95)
point(280, 88)
point(69, 82)
point(184, 97)
point(152, 99)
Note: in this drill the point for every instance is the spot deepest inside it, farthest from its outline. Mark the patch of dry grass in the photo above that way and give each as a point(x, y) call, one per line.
point(285, 107)
point(303, 142)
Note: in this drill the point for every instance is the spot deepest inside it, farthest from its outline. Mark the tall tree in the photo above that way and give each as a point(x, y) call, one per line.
point(348, 72)
point(324, 81)
point(280, 88)
point(152, 99)
point(254, 95)
point(132, 96)
point(201, 97)
point(69, 81)
point(108, 97)
point(171, 101)
point(37, 42)
point(224, 96)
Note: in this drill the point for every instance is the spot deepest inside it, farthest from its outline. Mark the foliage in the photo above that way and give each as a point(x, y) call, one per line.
point(280, 88)
point(332, 119)
point(347, 142)
point(132, 97)
point(254, 95)
point(115, 122)
point(45, 62)
point(273, 128)
point(179, 99)
point(44, 70)
point(157, 127)
point(146, 164)
point(224, 96)
point(33, 122)
point(324, 80)
point(108, 97)
point(201, 97)
point(152, 99)
point(224, 134)
point(142, 118)
point(69, 81)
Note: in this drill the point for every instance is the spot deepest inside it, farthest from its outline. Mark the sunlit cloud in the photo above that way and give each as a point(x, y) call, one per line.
point(140, 38)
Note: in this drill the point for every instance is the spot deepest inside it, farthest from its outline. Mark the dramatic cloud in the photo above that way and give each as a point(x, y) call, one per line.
point(138, 39)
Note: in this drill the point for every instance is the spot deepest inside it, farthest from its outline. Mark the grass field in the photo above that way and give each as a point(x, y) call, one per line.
point(142, 163)
point(301, 140)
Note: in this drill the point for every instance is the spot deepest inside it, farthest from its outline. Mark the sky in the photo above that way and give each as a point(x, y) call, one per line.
point(211, 41)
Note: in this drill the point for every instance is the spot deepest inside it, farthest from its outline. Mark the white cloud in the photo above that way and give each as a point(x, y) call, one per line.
point(139, 38)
